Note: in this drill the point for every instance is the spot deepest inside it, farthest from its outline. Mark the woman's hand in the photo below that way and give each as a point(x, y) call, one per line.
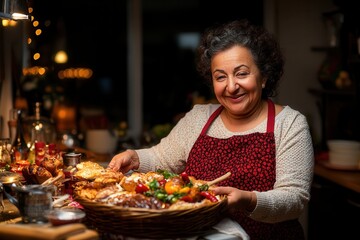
point(238, 199)
point(125, 161)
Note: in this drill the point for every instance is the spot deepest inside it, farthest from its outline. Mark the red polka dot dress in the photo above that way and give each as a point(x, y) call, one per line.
point(251, 160)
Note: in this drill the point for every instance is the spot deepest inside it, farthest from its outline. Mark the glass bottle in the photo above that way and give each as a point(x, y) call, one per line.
point(20, 149)
point(38, 131)
point(5, 156)
point(13, 114)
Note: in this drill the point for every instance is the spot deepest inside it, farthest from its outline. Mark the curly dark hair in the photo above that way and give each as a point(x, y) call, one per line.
point(264, 48)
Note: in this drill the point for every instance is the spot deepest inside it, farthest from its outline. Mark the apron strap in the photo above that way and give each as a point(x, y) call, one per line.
point(211, 119)
point(271, 116)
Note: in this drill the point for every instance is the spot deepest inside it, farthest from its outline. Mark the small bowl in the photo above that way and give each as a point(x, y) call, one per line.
point(338, 145)
point(62, 216)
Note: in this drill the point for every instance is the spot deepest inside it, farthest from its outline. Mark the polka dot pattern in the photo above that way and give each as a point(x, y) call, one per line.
point(250, 159)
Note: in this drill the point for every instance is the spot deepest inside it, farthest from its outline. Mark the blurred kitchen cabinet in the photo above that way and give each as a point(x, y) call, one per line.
point(339, 75)
point(333, 211)
point(339, 111)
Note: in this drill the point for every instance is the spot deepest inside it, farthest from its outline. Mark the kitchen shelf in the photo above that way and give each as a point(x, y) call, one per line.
point(338, 114)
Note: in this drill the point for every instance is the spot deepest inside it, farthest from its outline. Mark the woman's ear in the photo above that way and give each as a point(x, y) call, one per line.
point(263, 83)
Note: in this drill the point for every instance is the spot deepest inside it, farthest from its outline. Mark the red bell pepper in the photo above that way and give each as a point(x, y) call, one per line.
point(185, 177)
point(141, 188)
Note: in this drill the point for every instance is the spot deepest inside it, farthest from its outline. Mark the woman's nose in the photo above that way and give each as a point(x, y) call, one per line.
point(232, 85)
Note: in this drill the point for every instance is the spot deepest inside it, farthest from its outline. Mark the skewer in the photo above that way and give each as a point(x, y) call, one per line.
point(51, 180)
point(219, 179)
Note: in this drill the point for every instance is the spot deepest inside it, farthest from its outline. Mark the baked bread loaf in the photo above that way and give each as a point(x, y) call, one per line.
point(34, 174)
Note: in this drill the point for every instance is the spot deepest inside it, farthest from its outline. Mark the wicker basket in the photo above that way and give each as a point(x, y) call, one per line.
point(149, 223)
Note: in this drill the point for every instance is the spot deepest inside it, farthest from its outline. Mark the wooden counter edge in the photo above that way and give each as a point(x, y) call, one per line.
point(346, 178)
point(89, 155)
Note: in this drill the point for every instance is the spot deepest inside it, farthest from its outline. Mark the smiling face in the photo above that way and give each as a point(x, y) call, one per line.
point(237, 81)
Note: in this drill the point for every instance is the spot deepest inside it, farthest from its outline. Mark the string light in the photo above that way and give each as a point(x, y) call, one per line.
point(61, 56)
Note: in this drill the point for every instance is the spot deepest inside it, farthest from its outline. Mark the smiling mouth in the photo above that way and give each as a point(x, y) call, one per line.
point(237, 96)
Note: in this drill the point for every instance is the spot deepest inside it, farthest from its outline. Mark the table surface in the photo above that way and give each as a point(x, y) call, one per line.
point(11, 215)
point(349, 179)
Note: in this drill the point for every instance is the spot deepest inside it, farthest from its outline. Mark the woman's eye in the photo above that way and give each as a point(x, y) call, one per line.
point(219, 78)
point(241, 74)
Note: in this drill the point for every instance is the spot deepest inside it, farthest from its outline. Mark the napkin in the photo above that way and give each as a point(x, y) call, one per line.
point(231, 227)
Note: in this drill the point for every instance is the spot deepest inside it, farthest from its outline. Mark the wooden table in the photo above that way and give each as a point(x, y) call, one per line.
point(10, 213)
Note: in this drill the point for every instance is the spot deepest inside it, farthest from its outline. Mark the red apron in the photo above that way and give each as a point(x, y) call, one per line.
point(251, 159)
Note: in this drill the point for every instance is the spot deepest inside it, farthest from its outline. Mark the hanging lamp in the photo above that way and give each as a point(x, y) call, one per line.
point(14, 9)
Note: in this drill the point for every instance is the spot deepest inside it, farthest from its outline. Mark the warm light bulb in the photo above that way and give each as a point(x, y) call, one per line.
point(36, 56)
point(61, 57)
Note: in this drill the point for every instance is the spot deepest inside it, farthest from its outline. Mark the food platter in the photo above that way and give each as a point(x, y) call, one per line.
point(157, 204)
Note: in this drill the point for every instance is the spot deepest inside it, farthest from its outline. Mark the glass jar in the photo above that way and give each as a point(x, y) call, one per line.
point(71, 159)
point(39, 128)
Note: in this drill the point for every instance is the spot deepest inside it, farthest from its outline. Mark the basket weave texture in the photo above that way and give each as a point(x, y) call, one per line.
point(151, 223)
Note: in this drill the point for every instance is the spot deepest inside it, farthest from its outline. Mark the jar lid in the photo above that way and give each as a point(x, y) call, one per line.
point(72, 154)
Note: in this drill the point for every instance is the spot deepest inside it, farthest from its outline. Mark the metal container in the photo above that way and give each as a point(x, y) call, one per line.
point(7, 177)
point(32, 201)
point(71, 159)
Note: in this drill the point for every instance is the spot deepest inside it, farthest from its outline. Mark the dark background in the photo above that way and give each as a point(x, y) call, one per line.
point(95, 36)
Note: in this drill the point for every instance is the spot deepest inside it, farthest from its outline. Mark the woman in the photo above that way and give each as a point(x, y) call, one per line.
point(267, 147)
